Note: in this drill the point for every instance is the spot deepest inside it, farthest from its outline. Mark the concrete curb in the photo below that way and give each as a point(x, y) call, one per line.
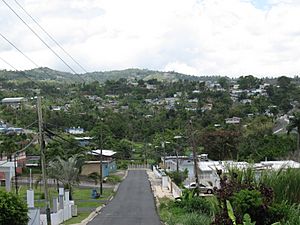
point(97, 211)
point(157, 203)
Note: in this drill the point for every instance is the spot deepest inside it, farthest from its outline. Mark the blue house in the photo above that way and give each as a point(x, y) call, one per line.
point(108, 163)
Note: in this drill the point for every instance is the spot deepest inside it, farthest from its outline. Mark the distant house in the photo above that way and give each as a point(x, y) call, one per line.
point(74, 130)
point(233, 120)
point(150, 86)
point(13, 102)
point(206, 107)
point(93, 166)
point(83, 141)
point(4, 128)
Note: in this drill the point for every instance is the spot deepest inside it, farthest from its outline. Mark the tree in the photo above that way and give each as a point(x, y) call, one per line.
point(66, 171)
point(248, 82)
point(223, 81)
point(295, 124)
point(13, 209)
point(220, 144)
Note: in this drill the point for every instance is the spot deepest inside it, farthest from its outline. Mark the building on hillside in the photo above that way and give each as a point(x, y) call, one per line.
point(233, 120)
point(83, 141)
point(13, 102)
point(74, 130)
point(93, 165)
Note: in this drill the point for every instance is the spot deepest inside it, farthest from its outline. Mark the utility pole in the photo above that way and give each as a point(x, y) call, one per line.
point(43, 161)
point(101, 159)
point(16, 179)
point(195, 158)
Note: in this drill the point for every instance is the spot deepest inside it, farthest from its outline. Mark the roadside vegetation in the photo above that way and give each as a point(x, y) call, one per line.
point(272, 198)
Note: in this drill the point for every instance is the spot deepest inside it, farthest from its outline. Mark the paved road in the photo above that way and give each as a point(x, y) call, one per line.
point(132, 205)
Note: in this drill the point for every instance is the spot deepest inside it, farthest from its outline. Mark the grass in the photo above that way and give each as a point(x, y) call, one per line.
point(78, 194)
point(81, 216)
point(285, 184)
point(173, 215)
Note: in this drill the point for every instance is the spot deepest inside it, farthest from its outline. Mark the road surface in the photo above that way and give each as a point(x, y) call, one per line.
point(132, 205)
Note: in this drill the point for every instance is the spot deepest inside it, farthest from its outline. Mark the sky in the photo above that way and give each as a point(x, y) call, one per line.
point(196, 37)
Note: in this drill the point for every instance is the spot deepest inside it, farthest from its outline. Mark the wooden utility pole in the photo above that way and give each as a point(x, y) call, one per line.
point(195, 158)
point(43, 161)
point(101, 160)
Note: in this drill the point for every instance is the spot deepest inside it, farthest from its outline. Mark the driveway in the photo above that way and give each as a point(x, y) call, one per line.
point(132, 205)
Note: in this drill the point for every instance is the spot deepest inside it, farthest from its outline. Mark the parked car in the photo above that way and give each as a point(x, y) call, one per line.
point(203, 188)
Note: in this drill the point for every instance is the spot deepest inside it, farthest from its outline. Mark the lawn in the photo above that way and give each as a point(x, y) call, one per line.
point(79, 194)
point(81, 216)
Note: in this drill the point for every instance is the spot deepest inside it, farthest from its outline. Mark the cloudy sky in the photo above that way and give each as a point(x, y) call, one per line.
point(198, 37)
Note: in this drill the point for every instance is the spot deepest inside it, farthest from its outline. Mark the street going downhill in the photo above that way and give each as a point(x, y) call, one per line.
point(132, 205)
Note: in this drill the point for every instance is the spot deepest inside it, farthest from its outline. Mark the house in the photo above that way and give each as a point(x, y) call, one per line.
point(93, 166)
point(13, 102)
point(17, 100)
point(74, 130)
point(233, 120)
point(208, 169)
point(206, 107)
point(7, 172)
point(83, 141)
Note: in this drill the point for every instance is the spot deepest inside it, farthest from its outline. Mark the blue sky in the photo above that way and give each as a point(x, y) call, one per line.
point(261, 4)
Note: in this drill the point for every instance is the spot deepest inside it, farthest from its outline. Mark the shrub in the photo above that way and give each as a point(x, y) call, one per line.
point(178, 177)
point(285, 184)
point(13, 210)
point(197, 204)
point(113, 179)
point(195, 219)
point(247, 201)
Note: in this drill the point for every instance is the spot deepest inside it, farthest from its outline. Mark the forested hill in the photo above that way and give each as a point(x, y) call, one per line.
point(138, 74)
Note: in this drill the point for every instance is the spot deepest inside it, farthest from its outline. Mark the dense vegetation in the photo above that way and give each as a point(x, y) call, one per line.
point(242, 199)
point(138, 114)
point(13, 209)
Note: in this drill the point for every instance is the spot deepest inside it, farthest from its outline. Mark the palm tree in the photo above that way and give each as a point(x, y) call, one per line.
point(295, 124)
point(66, 171)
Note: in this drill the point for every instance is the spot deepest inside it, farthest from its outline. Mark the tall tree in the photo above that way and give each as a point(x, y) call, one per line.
point(295, 124)
point(66, 171)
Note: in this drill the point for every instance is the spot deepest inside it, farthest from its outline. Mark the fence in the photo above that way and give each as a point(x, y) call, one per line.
point(139, 166)
point(156, 172)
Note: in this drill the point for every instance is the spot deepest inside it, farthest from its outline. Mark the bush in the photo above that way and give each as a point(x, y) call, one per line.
point(178, 177)
point(196, 204)
point(113, 179)
point(13, 210)
point(196, 219)
point(246, 201)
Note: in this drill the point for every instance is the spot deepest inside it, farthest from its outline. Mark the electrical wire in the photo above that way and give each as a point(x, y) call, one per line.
point(8, 63)
point(39, 37)
point(29, 59)
point(51, 37)
point(50, 134)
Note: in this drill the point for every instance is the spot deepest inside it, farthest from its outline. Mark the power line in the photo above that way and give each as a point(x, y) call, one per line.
point(51, 37)
point(18, 50)
point(27, 57)
point(39, 37)
point(8, 63)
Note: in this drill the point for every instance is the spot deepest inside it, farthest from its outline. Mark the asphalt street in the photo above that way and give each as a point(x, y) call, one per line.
point(132, 205)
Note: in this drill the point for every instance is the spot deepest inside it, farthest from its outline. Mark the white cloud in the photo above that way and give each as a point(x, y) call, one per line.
point(232, 37)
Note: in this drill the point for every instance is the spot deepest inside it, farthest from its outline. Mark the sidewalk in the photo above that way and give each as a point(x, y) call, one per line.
point(157, 189)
